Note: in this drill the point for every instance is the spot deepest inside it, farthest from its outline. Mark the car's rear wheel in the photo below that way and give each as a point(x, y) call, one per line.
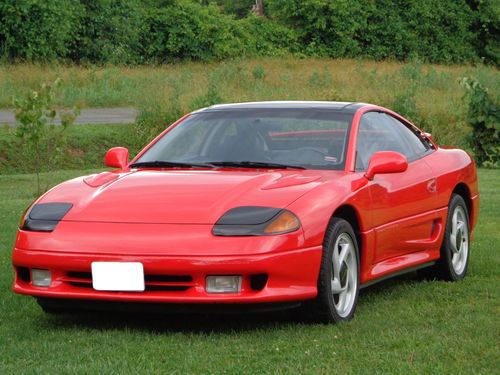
point(454, 260)
point(338, 282)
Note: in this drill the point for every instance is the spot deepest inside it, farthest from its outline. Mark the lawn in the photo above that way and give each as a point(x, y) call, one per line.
point(403, 325)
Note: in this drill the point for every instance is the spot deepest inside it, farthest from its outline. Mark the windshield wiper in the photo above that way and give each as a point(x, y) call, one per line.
point(253, 164)
point(168, 164)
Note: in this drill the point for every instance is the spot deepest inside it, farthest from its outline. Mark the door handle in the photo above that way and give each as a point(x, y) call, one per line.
point(432, 185)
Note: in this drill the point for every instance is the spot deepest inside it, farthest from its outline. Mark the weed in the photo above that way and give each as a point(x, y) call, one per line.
point(259, 73)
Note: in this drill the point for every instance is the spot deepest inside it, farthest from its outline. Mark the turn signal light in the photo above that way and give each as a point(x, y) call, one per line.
point(285, 222)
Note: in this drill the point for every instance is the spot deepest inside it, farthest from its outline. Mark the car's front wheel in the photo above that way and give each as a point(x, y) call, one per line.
point(454, 259)
point(338, 282)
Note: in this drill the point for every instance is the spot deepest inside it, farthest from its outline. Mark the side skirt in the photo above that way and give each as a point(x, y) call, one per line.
point(398, 273)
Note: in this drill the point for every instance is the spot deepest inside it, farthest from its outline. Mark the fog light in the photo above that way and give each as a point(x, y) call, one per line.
point(223, 284)
point(41, 277)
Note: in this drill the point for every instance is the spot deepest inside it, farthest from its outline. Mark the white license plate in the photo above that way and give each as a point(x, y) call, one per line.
point(118, 276)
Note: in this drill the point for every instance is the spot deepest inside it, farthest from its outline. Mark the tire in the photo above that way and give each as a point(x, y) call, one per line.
point(455, 249)
point(337, 275)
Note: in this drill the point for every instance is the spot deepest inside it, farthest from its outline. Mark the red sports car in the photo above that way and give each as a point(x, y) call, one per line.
point(255, 205)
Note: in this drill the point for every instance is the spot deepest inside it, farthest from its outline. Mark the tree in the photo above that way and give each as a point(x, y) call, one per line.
point(258, 8)
point(41, 139)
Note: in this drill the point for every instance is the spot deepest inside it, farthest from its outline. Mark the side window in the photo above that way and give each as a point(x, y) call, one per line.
point(373, 135)
point(414, 144)
point(381, 132)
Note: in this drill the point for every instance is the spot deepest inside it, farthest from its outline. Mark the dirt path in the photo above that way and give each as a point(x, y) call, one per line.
point(87, 116)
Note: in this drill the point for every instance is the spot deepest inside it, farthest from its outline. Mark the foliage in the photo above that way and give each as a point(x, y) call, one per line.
point(37, 30)
point(188, 30)
point(158, 31)
point(325, 28)
point(434, 31)
point(265, 37)
point(109, 31)
point(240, 8)
point(42, 141)
point(259, 73)
point(487, 27)
point(437, 31)
point(484, 117)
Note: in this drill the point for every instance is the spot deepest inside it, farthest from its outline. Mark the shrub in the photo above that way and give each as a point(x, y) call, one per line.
point(41, 140)
point(265, 37)
point(109, 32)
point(259, 73)
point(37, 30)
point(189, 30)
point(437, 31)
point(324, 28)
point(157, 31)
point(484, 118)
point(240, 8)
point(487, 27)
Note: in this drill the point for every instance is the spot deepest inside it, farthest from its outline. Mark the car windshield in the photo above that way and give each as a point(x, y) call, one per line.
point(278, 138)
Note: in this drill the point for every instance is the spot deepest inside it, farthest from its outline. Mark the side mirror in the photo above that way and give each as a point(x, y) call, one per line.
point(386, 162)
point(116, 157)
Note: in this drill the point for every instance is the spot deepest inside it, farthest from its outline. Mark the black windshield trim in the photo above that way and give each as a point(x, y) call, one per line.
point(254, 164)
point(168, 164)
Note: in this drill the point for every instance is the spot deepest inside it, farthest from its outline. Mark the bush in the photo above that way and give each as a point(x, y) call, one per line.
point(436, 31)
point(109, 32)
point(189, 30)
point(487, 26)
point(484, 118)
point(42, 141)
point(259, 73)
point(265, 37)
point(157, 31)
point(37, 30)
point(324, 28)
point(240, 8)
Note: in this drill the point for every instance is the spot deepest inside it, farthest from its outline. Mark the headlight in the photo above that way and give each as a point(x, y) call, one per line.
point(43, 217)
point(256, 221)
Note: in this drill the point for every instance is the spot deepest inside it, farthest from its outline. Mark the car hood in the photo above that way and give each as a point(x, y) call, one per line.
point(178, 196)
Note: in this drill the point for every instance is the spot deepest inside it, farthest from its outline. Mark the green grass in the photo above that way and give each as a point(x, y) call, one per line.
point(87, 145)
point(401, 326)
point(431, 90)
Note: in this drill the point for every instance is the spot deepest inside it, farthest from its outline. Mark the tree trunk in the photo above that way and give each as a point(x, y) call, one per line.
point(258, 8)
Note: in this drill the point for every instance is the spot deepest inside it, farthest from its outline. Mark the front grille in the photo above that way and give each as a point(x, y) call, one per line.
point(173, 283)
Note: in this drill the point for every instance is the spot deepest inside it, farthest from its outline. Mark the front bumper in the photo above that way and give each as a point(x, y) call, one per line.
point(290, 276)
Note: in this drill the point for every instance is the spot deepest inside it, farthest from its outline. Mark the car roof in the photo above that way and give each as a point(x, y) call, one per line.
point(347, 107)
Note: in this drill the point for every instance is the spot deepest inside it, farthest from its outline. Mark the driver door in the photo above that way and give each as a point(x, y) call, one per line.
point(402, 204)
